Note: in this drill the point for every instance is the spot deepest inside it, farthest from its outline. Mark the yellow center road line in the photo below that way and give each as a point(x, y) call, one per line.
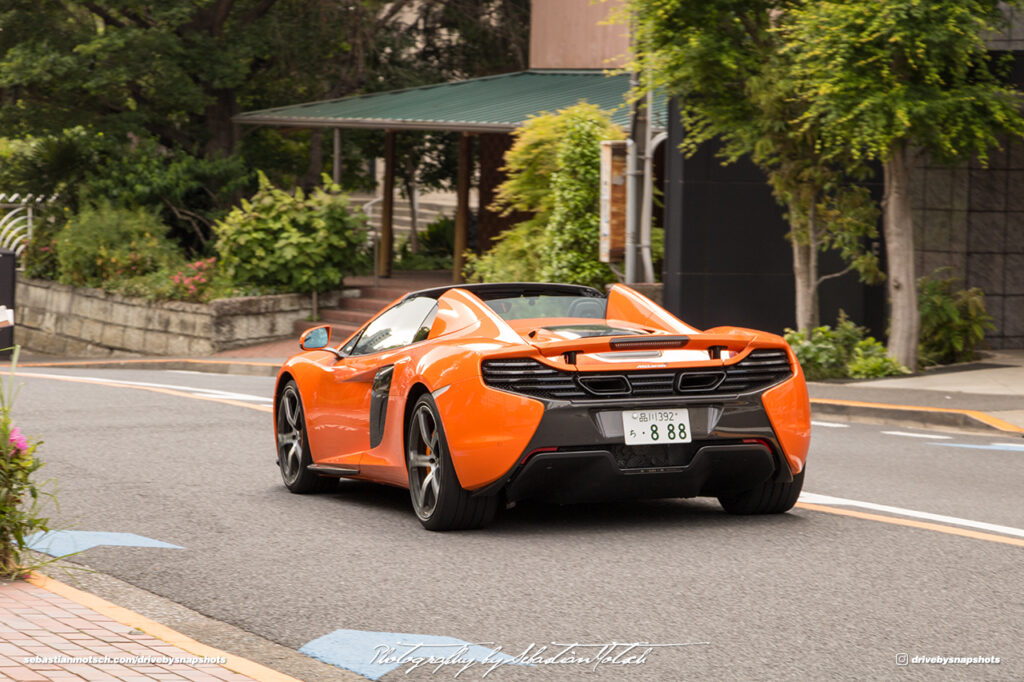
point(242, 666)
point(983, 417)
point(910, 523)
point(154, 389)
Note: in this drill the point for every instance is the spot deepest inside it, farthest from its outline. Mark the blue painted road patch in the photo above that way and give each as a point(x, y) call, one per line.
point(375, 654)
point(63, 542)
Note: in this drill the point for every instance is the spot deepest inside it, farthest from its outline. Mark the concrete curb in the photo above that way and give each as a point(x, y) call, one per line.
point(213, 366)
point(910, 415)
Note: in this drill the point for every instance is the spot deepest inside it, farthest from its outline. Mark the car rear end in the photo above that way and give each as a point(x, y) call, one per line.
point(634, 424)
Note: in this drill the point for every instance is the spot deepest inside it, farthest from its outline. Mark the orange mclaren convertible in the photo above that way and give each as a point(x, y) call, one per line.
point(478, 395)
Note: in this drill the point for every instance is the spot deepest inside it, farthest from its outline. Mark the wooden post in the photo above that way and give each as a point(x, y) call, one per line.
point(387, 214)
point(336, 159)
point(462, 205)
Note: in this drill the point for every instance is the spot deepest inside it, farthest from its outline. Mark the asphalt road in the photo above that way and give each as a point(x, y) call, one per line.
point(802, 596)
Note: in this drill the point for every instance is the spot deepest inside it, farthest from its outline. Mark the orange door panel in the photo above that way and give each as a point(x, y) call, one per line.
point(338, 418)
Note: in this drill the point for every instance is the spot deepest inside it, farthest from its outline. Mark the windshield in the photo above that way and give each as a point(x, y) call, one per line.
point(530, 307)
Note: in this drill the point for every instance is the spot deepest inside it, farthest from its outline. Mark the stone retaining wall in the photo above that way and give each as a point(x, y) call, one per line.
point(71, 321)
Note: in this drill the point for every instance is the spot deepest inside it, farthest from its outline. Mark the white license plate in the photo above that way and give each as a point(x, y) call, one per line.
point(651, 427)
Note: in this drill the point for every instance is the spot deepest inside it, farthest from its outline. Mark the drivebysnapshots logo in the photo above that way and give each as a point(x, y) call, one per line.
point(485, 658)
point(907, 659)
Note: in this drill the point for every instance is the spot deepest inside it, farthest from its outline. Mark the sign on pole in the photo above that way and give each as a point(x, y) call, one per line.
point(613, 201)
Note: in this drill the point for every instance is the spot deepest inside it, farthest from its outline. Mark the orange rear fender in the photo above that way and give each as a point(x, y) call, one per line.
point(789, 410)
point(487, 430)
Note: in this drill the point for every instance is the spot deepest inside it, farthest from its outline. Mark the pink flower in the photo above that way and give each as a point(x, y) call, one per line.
point(18, 440)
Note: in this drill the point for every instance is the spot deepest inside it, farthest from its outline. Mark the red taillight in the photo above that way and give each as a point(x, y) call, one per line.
point(758, 441)
point(531, 453)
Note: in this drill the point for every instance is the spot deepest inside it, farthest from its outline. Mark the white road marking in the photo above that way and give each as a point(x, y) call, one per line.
point(916, 435)
point(813, 498)
point(831, 425)
point(1011, 445)
point(194, 390)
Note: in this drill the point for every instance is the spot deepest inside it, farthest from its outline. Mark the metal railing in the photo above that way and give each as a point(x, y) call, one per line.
point(17, 213)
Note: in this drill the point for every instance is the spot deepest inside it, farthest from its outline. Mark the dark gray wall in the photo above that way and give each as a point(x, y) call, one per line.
point(727, 261)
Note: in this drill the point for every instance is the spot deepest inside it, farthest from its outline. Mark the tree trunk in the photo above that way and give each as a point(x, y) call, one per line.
point(222, 129)
point(316, 160)
point(805, 277)
point(801, 278)
point(813, 249)
point(905, 323)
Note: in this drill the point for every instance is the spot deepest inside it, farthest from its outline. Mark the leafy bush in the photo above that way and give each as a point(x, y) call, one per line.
point(51, 165)
point(437, 244)
point(438, 237)
point(196, 282)
point(842, 352)
point(40, 256)
point(188, 192)
point(953, 322)
point(103, 244)
point(19, 495)
point(297, 242)
point(570, 251)
point(870, 360)
point(515, 256)
point(81, 166)
point(553, 171)
point(406, 259)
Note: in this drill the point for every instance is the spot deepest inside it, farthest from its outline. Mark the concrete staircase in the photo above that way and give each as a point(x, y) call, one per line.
point(354, 312)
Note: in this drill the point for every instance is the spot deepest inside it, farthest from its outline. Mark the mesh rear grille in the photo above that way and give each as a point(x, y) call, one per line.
point(530, 377)
point(760, 369)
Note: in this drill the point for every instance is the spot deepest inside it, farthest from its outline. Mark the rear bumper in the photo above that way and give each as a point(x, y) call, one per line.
point(595, 475)
point(578, 453)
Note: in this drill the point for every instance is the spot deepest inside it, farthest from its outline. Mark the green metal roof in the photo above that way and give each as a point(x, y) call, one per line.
point(489, 104)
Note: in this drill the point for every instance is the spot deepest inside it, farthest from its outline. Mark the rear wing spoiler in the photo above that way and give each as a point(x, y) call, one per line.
point(713, 343)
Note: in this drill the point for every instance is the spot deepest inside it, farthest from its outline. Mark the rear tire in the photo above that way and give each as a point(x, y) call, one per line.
point(293, 455)
point(771, 497)
point(439, 500)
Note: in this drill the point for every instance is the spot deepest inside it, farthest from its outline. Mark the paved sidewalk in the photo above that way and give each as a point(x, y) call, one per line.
point(50, 631)
point(992, 386)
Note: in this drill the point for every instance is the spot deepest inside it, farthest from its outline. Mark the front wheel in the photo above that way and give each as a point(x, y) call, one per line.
point(771, 497)
point(438, 499)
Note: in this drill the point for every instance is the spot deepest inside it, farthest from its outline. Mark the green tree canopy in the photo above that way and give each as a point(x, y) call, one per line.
point(879, 78)
point(133, 100)
point(553, 169)
point(723, 60)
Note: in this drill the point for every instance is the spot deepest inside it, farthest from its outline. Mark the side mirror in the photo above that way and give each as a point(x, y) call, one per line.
point(316, 338)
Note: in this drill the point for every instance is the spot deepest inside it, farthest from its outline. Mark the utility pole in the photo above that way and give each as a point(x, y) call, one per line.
point(634, 174)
